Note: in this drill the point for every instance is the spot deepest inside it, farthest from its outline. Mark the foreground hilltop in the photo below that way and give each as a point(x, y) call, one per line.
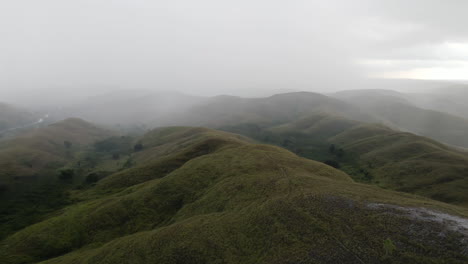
point(195, 195)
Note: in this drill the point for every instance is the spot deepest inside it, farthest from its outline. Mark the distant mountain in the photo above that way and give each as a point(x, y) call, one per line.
point(449, 99)
point(195, 195)
point(224, 110)
point(397, 111)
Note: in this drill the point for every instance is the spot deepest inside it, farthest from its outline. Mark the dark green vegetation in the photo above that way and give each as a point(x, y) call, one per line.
point(34, 175)
point(194, 195)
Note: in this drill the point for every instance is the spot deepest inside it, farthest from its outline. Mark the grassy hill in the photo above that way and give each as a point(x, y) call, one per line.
point(195, 195)
point(308, 124)
point(30, 164)
point(373, 153)
point(46, 148)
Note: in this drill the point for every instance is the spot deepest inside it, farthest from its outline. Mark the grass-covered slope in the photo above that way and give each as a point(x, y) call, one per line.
point(196, 195)
point(410, 163)
point(29, 170)
point(45, 149)
point(374, 154)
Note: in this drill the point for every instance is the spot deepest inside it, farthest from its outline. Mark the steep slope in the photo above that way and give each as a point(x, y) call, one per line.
point(226, 200)
point(397, 112)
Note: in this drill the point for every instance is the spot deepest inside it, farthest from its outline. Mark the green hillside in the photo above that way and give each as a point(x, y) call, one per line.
point(31, 182)
point(194, 195)
point(373, 154)
point(309, 124)
point(28, 155)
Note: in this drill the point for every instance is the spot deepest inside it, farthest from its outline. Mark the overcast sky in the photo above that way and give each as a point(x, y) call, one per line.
point(214, 46)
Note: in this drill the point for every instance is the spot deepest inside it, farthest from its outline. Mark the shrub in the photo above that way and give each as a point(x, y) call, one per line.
point(66, 174)
point(138, 147)
point(332, 163)
point(92, 178)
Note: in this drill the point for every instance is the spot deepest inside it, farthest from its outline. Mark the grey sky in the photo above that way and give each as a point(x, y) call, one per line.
point(214, 46)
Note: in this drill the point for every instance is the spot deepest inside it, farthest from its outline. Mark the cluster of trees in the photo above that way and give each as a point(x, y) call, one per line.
point(338, 153)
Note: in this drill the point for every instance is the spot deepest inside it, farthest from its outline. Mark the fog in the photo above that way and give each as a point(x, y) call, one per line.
point(63, 51)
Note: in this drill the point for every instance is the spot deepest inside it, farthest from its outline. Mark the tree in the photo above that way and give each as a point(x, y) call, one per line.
point(332, 163)
point(66, 174)
point(332, 148)
point(128, 164)
point(115, 156)
point(138, 147)
point(340, 153)
point(92, 178)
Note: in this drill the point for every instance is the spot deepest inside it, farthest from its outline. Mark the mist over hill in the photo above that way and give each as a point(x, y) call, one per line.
point(12, 118)
point(252, 132)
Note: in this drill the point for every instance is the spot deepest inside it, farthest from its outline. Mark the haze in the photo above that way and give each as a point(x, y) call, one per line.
point(55, 50)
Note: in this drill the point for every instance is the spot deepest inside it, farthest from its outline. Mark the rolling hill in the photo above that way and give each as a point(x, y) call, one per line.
point(308, 124)
point(32, 153)
point(195, 195)
point(30, 165)
point(226, 110)
point(372, 153)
